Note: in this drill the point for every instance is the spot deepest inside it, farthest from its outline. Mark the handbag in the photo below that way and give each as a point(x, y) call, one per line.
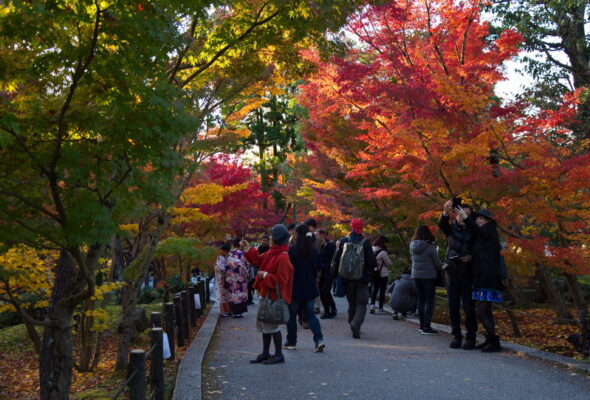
point(273, 312)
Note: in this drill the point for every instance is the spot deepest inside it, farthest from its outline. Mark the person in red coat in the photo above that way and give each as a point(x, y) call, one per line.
point(275, 269)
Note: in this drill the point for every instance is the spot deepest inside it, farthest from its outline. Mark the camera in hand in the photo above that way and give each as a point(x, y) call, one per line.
point(456, 202)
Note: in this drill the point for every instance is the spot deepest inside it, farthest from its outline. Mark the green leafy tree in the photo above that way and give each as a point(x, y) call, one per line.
point(556, 37)
point(274, 134)
point(105, 111)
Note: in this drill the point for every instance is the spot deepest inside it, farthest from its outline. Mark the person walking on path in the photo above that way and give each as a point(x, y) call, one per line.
point(328, 248)
point(458, 272)
point(313, 226)
point(381, 274)
point(487, 281)
point(237, 274)
point(306, 264)
point(425, 263)
point(357, 290)
point(403, 295)
point(220, 269)
point(275, 269)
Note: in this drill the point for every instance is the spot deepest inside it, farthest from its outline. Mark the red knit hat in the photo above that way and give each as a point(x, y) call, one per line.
point(357, 225)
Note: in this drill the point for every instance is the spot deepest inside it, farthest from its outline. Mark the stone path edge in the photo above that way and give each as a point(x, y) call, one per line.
point(188, 380)
point(556, 359)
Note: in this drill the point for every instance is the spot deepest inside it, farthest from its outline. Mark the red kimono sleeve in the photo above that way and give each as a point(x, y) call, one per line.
point(253, 257)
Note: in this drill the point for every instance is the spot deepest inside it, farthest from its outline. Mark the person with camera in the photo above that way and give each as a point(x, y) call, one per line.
point(487, 276)
point(458, 273)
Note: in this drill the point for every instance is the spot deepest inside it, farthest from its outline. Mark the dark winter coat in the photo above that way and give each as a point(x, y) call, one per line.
point(403, 296)
point(459, 243)
point(326, 255)
point(305, 275)
point(370, 260)
point(486, 255)
point(425, 260)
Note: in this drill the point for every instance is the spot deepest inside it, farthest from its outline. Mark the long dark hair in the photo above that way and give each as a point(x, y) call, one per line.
point(303, 244)
point(381, 242)
point(423, 233)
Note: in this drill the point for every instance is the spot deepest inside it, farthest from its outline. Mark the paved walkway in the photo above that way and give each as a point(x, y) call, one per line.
point(391, 360)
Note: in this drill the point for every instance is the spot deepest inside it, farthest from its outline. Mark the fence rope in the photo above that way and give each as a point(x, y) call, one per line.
point(122, 388)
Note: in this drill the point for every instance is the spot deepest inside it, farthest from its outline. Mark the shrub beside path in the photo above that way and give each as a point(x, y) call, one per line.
point(391, 360)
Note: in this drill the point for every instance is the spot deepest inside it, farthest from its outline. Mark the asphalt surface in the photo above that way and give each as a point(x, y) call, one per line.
point(390, 361)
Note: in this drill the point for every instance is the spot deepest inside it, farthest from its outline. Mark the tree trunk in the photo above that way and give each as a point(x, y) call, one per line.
point(56, 358)
point(572, 283)
point(556, 301)
point(134, 275)
point(88, 338)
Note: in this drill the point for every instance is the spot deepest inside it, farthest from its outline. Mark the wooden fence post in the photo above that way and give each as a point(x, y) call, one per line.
point(186, 313)
point(170, 327)
point(137, 368)
point(157, 364)
point(191, 301)
point(156, 319)
point(179, 324)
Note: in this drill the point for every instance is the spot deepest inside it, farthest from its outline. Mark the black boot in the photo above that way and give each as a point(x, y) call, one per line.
point(493, 346)
point(469, 343)
point(484, 344)
point(456, 342)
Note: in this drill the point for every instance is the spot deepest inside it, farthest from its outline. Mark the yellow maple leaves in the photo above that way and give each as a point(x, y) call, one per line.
point(25, 272)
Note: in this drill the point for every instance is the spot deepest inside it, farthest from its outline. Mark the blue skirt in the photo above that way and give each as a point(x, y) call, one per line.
point(482, 294)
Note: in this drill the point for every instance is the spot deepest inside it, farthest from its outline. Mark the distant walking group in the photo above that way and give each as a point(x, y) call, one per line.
point(299, 266)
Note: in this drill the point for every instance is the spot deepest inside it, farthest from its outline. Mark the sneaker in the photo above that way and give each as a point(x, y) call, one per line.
point(380, 311)
point(420, 330)
point(396, 316)
point(238, 316)
point(429, 331)
point(225, 315)
point(372, 309)
point(288, 346)
point(319, 346)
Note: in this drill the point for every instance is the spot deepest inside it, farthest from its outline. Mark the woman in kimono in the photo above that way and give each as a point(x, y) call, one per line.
point(237, 274)
point(223, 295)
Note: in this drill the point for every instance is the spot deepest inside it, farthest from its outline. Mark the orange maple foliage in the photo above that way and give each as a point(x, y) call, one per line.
point(410, 118)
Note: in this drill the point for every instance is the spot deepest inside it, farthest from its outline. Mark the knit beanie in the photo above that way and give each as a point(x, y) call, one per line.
point(357, 225)
point(280, 234)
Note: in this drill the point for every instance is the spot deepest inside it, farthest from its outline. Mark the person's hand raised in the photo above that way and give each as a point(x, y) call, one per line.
point(244, 245)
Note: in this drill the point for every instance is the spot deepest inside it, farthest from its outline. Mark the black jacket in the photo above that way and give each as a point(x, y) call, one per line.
point(486, 255)
point(304, 275)
point(459, 243)
point(326, 255)
point(370, 260)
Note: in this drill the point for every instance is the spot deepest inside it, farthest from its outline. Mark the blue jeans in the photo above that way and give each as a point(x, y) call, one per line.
point(425, 289)
point(309, 312)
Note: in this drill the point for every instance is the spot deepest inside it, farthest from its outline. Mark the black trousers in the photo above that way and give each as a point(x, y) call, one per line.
point(326, 298)
point(379, 287)
point(459, 291)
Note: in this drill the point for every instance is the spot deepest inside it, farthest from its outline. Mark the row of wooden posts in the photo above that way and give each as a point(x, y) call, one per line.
point(178, 316)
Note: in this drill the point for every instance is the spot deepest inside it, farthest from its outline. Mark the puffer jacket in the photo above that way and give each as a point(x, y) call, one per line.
point(425, 260)
point(486, 255)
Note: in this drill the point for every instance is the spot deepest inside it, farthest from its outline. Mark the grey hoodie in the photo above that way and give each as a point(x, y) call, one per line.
point(425, 259)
